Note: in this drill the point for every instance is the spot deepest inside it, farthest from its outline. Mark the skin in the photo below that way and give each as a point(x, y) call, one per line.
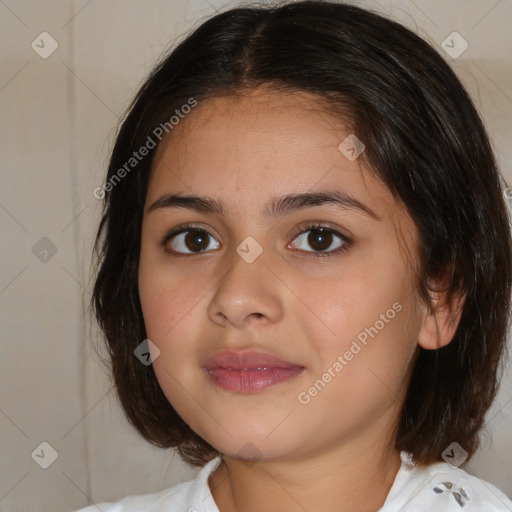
point(338, 449)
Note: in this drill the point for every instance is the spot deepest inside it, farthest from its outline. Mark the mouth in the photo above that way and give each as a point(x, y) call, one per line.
point(249, 371)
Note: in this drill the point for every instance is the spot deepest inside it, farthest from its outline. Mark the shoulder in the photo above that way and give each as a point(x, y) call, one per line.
point(148, 502)
point(444, 488)
point(191, 496)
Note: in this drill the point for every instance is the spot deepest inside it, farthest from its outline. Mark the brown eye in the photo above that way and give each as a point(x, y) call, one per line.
point(189, 241)
point(321, 240)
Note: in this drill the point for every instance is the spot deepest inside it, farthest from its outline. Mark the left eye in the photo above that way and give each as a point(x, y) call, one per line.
point(321, 238)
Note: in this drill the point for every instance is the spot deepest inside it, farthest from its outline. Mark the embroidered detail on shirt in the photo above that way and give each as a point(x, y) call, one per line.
point(458, 493)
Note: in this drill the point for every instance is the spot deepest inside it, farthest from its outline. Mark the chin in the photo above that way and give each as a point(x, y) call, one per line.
point(252, 447)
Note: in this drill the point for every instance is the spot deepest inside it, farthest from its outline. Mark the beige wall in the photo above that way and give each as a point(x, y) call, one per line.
point(59, 116)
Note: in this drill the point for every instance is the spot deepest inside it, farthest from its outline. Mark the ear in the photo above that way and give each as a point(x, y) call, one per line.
point(440, 324)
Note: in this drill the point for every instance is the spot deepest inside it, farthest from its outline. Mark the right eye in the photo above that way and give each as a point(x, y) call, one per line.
point(188, 237)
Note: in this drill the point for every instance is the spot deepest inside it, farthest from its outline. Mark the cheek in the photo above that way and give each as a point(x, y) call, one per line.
point(367, 317)
point(348, 304)
point(170, 305)
point(171, 316)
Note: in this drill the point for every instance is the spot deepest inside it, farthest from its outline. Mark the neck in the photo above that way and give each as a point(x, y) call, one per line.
point(349, 479)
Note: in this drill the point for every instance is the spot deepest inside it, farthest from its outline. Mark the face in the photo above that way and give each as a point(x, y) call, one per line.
point(335, 301)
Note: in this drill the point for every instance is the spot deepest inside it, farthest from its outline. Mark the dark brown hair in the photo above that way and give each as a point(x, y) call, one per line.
point(424, 139)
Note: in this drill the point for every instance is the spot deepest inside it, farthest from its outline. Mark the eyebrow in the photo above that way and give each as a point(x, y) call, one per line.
point(276, 207)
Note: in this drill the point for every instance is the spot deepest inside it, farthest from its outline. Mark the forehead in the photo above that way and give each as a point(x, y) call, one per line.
point(244, 149)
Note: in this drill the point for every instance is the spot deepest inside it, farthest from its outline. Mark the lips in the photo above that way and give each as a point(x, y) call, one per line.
point(247, 360)
point(249, 371)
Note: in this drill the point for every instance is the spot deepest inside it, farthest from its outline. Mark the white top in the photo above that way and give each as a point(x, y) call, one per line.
point(439, 487)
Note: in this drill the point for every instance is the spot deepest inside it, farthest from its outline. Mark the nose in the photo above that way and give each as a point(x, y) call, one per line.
point(247, 293)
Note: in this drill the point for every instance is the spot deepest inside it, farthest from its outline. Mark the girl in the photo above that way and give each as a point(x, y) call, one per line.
point(305, 268)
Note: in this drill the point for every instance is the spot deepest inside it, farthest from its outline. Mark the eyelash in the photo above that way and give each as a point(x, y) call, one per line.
point(347, 242)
